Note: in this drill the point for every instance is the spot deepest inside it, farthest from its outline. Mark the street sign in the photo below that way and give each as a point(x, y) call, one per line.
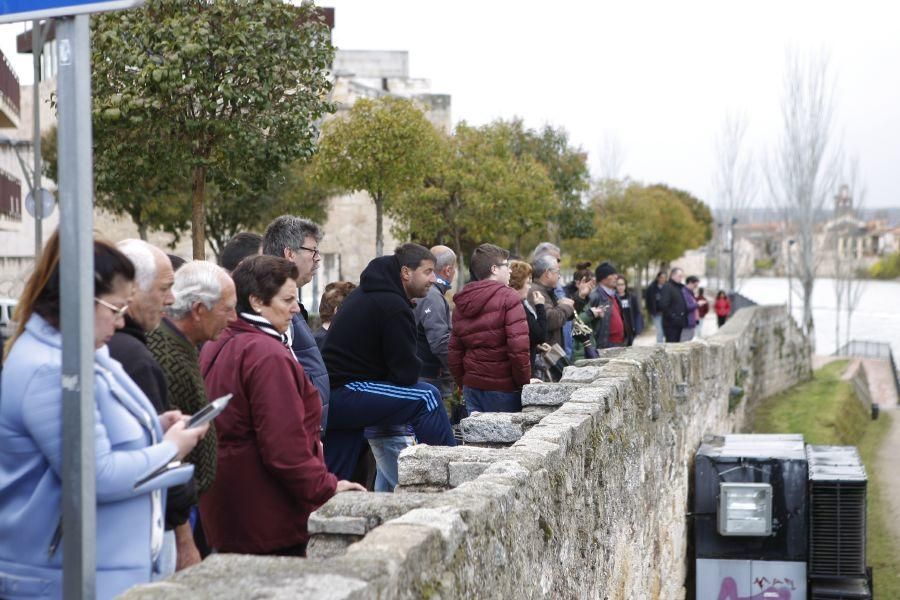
point(47, 203)
point(12, 11)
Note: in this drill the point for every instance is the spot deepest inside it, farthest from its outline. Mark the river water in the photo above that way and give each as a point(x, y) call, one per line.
point(875, 319)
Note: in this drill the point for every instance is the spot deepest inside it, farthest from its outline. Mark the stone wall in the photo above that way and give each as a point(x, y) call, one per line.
point(582, 495)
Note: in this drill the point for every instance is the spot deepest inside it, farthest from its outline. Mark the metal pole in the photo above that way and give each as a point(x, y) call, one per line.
point(731, 275)
point(36, 53)
point(77, 307)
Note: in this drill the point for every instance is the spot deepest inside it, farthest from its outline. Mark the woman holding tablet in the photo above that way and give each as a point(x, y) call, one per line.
point(129, 439)
point(271, 472)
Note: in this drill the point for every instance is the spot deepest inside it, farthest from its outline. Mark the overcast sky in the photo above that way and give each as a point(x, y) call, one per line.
point(658, 77)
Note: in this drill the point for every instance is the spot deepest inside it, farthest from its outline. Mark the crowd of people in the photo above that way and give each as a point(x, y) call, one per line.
point(311, 413)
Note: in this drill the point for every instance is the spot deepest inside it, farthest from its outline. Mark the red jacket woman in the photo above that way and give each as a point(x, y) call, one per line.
point(722, 307)
point(271, 471)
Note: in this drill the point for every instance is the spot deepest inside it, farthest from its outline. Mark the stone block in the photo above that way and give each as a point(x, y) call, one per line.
point(581, 374)
point(496, 428)
point(547, 394)
point(328, 546)
point(429, 466)
point(461, 472)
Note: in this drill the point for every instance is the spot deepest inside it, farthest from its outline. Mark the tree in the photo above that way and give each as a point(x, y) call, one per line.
point(699, 211)
point(478, 190)
point(220, 93)
point(803, 171)
point(293, 191)
point(383, 147)
point(735, 182)
point(566, 166)
point(151, 194)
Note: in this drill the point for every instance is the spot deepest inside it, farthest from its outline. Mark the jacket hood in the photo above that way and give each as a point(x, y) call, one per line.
point(472, 299)
point(383, 275)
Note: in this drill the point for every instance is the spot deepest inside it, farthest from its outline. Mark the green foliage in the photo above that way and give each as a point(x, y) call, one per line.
point(384, 147)
point(700, 211)
point(763, 264)
point(636, 224)
point(479, 190)
point(886, 268)
point(567, 169)
point(192, 93)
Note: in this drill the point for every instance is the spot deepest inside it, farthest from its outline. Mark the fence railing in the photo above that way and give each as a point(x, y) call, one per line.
point(869, 349)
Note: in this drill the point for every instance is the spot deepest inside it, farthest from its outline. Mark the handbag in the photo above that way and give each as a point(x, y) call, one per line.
point(555, 360)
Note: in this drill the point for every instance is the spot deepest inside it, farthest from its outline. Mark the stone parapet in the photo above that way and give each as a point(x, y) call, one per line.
point(588, 500)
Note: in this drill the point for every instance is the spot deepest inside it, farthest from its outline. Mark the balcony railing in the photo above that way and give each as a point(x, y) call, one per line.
point(10, 196)
point(9, 84)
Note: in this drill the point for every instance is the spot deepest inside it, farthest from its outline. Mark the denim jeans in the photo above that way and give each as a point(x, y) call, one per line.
point(387, 450)
point(657, 325)
point(485, 401)
point(167, 557)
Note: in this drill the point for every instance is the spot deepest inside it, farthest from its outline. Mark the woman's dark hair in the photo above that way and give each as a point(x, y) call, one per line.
point(41, 295)
point(334, 295)
point(261, 276)
point(721, 294)
point(583, 271)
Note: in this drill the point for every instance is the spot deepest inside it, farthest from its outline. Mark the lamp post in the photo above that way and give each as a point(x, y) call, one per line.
point(36, 53)
point(791, 243)
point(731, 274)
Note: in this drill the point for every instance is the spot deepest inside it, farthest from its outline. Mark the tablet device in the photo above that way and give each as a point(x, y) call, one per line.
point(209, 412)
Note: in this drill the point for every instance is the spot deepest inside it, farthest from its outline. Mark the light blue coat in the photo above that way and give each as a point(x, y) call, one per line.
point(125, 427)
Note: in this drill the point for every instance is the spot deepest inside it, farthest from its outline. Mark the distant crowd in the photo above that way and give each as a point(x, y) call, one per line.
point(311, 413)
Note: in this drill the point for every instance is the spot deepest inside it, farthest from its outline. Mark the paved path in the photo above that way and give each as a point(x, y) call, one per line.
point(886, 466)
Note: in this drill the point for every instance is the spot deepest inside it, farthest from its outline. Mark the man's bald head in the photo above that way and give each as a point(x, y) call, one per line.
point(445, 262)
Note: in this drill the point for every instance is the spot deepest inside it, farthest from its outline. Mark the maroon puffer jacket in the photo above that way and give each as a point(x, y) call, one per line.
point(489, 339)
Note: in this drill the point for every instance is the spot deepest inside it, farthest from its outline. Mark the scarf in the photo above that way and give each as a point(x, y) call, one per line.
point(263, 324)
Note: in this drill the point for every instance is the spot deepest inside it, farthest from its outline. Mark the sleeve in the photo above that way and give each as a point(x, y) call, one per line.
point(538, 327)
point(116, 471)
point(149, 377)
point(517, 340)
point(455, 354)
point(276, 395)
point(558, 315)
point(432, 316)
point(398, 343)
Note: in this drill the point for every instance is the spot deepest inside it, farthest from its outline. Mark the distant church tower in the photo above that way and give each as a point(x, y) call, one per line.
point(843, 202)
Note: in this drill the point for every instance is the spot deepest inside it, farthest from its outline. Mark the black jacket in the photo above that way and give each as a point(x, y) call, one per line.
point(672, 304)
point(373, 336)
point(129, 347)
point(651, 297)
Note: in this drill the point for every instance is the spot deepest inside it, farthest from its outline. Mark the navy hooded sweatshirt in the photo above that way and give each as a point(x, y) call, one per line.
point(373, 335)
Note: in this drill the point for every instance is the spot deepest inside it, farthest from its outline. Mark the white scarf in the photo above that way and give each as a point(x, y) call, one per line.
point(264, 325)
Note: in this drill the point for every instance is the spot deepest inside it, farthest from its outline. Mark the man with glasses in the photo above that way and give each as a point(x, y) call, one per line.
point(153, 279)
point(545, 278)
point(297, 240)
point(489, 350)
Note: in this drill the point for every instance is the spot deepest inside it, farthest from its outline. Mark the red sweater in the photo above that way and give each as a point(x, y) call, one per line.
point(722, 307)
point(616, 323)
point(489, 345)
point(271, 470)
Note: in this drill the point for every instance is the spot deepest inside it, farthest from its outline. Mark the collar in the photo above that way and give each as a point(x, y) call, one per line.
point(446, 285)
point(264, 325)
point(609, 292)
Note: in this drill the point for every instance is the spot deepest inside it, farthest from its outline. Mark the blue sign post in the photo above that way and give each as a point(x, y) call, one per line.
point(12, 11)
point(78, 527)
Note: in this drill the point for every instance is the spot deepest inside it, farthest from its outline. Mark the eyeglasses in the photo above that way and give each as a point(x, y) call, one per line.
point(315, 251)
point(503, 264)
point(118, 311)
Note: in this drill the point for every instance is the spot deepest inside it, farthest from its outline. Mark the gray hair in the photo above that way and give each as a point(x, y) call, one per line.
point(140, 253)
point(196, 281)
point(288, 231)
point(542, 264)
point(444, 259)
point(545, 248)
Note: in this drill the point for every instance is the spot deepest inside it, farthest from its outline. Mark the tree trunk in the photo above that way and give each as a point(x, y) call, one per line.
point(379, 215)
point(198, 215)
point(142, 230)
point(460, 263)
point(808, 323)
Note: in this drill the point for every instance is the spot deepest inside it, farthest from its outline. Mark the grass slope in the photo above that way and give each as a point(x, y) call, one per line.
point(826, 411)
